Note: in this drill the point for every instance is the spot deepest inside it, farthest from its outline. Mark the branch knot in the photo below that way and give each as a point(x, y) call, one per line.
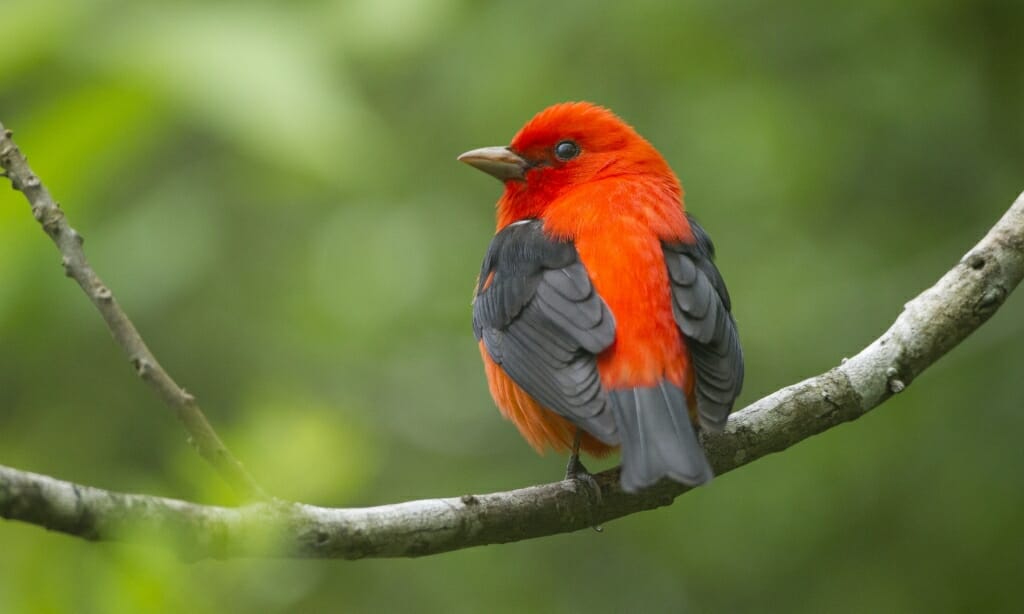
point(895, 384)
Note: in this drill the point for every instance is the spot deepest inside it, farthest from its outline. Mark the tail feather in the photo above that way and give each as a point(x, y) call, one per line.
point(658, 439)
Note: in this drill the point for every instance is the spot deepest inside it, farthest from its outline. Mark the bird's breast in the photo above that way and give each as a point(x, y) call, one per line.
point(622, 251)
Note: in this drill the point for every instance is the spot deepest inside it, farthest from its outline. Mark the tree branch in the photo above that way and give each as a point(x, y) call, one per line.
point(929, 326)
point(50, 216)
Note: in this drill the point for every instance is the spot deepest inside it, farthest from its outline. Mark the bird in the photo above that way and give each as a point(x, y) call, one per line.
point(601, 317)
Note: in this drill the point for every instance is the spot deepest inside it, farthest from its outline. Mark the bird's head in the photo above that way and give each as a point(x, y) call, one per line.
point(565, 146)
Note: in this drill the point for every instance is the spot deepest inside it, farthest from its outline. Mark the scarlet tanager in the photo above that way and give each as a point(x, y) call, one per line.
point(601, 319)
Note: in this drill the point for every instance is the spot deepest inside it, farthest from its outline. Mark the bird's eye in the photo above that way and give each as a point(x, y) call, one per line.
point(567, 150)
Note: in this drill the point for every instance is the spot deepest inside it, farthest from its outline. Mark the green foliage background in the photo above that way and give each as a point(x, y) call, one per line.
point(271, 191)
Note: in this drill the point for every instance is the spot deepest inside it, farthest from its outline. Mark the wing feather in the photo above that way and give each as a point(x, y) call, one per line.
point(702, 309)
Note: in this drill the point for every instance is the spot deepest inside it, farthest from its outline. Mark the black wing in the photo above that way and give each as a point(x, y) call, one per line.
point(541, 320)
point(702, 307)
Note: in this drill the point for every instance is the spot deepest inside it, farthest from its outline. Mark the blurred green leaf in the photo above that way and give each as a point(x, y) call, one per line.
point(252, 76)
point(302, 449)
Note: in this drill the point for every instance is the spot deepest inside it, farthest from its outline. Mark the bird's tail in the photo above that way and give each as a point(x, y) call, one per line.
point(658, 439)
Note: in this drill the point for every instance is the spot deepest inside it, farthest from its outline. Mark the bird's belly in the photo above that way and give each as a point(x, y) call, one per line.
point(541, 427)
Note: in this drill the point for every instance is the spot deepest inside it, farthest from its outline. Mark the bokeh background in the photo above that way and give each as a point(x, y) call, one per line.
point(270, 189)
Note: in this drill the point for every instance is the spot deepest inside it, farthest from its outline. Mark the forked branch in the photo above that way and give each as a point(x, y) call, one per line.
point(50, 216)
point(930, 325)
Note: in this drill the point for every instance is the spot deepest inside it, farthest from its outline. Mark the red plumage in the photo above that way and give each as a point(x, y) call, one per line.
point(619, 205)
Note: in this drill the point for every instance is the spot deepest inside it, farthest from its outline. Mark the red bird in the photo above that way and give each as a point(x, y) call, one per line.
point(601, 318)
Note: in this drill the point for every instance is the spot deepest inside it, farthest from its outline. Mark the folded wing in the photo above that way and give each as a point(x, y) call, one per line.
point(541, 320)
point(702, 309)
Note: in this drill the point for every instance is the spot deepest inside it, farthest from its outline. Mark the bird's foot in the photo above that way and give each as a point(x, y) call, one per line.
point(577, 472)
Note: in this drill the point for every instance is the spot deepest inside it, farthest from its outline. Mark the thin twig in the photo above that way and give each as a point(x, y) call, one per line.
point(929, 326)
point(50, 216)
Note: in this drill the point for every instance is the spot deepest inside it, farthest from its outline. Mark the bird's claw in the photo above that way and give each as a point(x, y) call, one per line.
point(575, 469)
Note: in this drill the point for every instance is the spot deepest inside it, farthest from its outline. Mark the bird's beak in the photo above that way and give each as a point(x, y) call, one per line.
point(499, 162)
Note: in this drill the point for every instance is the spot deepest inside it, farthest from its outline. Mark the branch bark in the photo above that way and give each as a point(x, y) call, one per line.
point(50, 216)
point(930, 326)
